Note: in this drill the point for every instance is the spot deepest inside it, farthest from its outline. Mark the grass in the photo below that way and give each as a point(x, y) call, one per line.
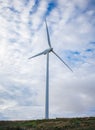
point(87, 123)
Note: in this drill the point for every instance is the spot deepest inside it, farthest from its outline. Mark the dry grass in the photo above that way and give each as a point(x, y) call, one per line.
point(87, 123)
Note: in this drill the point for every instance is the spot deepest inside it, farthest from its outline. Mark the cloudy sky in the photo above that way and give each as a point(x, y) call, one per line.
point(71, 26)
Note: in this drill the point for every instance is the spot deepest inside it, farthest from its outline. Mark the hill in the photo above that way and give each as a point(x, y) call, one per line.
point(87, 123)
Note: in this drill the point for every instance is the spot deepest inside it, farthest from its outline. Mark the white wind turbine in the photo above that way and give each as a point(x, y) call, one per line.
point(46, 52)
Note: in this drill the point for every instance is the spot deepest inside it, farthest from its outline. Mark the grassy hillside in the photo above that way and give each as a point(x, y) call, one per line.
point(87, 123)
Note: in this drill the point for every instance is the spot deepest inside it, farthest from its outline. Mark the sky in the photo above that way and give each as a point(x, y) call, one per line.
point(71, 25)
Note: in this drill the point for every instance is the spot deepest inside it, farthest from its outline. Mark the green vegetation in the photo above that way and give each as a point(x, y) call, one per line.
point(87, 123)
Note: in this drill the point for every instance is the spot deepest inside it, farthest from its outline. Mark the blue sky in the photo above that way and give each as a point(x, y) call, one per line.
point(71, 26)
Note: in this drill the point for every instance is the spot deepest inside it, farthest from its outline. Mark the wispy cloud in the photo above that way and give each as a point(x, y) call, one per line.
point(22, 34)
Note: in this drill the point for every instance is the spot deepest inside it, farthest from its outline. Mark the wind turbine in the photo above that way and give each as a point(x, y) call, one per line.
point(46, 52)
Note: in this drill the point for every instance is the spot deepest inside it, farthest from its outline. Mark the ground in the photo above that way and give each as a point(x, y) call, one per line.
point(86, 123)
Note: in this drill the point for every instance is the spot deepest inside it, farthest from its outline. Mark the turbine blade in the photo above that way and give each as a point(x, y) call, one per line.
point(36, 55)
point(47, 34)
point(62, 61)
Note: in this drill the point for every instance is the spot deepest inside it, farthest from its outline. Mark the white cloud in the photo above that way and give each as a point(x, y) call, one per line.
point(22, 81)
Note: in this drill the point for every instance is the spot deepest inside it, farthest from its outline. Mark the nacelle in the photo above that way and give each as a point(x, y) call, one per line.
point(48, 51)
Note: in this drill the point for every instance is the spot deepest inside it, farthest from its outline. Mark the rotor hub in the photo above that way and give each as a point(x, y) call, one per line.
point(48, 51)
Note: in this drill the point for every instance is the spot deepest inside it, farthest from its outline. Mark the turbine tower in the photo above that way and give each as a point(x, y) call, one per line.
point(47, 52)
